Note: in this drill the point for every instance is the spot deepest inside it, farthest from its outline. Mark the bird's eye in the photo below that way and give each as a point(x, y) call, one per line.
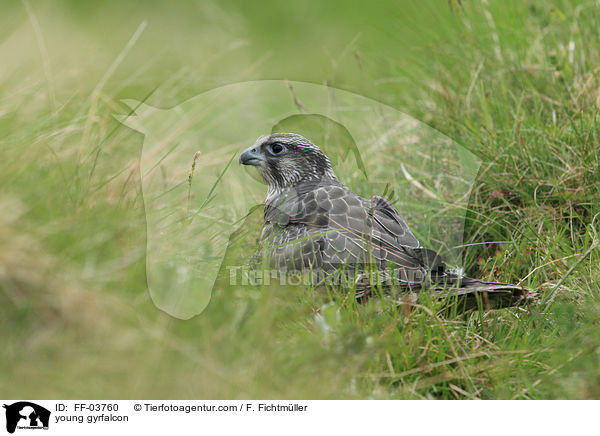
point(276, 148)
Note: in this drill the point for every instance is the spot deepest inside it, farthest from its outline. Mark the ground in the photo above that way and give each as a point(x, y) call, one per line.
point(514, 82)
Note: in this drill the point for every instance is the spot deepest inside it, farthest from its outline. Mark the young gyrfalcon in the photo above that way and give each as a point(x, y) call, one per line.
point(313, 222)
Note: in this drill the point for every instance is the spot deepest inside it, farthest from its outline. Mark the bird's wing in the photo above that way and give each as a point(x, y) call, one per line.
point(389, 224)
point(291, 246)
point(352, 230)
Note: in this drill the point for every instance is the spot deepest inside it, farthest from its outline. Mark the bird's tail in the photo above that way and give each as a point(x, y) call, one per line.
point(470, 293)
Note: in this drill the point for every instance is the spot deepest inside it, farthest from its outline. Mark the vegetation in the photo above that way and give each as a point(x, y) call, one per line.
point(515, 82)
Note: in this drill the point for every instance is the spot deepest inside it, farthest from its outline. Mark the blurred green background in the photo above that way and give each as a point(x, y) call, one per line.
point(515, 82)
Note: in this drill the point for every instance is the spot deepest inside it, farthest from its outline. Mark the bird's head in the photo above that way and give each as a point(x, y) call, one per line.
point(285, 159)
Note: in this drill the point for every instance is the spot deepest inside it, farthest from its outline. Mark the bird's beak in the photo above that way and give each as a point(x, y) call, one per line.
point(251, 156)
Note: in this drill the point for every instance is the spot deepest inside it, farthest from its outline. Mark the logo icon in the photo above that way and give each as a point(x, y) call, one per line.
point(192, 218)
point(26, 415)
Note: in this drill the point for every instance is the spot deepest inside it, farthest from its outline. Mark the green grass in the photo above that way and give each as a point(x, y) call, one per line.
point(515, 82)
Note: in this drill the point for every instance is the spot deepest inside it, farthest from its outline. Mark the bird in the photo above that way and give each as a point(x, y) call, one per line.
point(313, 222)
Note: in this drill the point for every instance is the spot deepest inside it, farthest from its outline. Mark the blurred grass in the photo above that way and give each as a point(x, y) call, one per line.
point(516, 82)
